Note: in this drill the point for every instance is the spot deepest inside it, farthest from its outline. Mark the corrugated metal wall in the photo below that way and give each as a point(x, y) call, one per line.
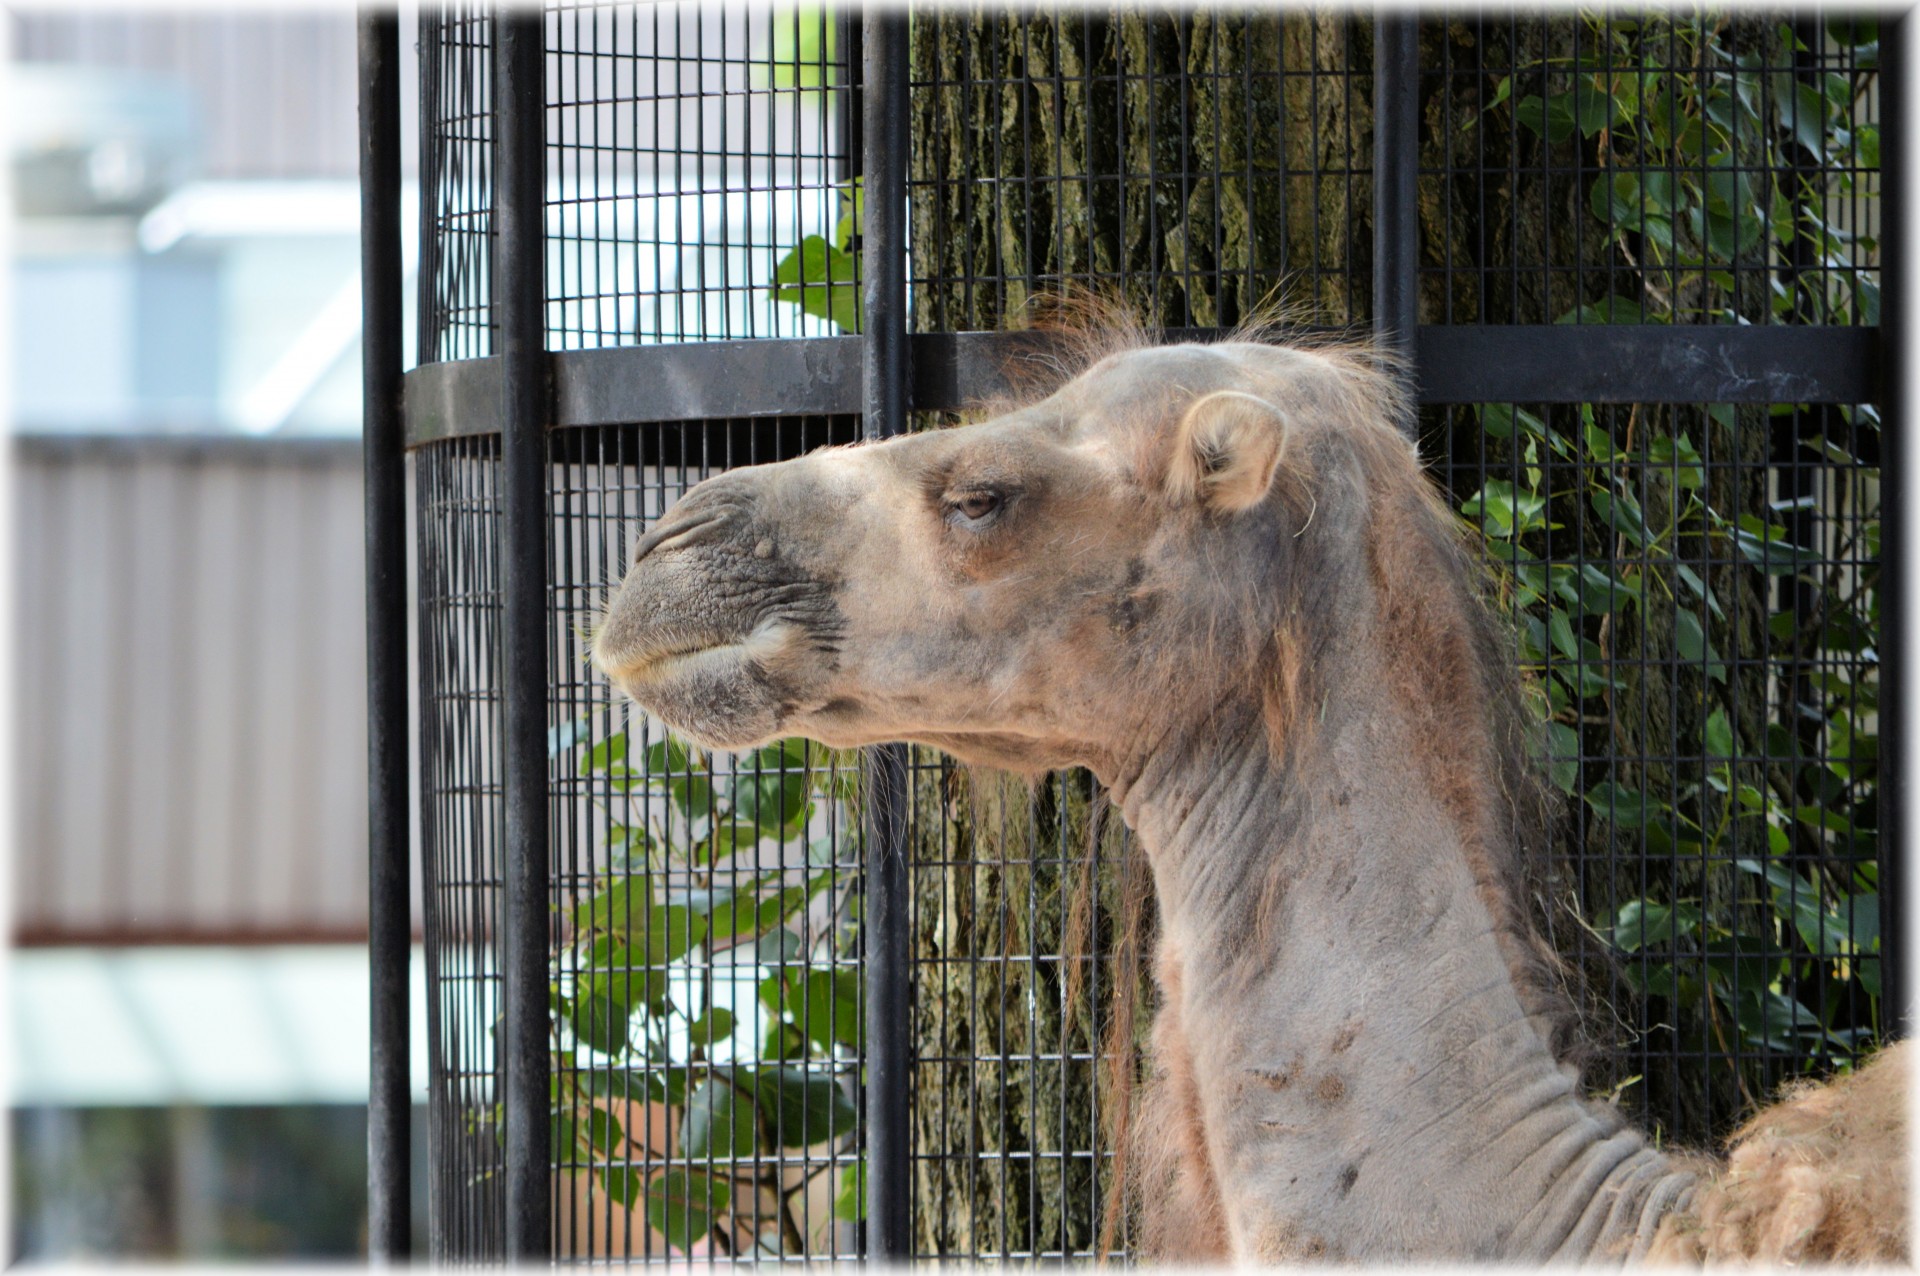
point(191, 696)
point(274, 89)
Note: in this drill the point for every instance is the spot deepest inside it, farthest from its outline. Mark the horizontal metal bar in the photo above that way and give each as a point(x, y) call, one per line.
point(1591, 363)
point(1648, 363)
point(222, 449)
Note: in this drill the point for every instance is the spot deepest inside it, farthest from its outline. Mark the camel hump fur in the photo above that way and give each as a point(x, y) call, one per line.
point(1821, 1176)
point(1218, 576)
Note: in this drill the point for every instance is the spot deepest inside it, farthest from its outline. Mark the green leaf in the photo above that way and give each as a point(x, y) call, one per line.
point(1800, 110)
point(609, 908)
point(1751, 962)
point(720, 1124)
point(629, 847)
point(777, 946)
point(1600, 448)
point(1642, 923)
point(772, 802)
point(1552, 119)
point(656, 934)
point(850, 1202)
point(853, 198)
point(802, 53)
point(1622, 513)
point(801, 1106)
point(625, 1083)
point(687, 783)
point(1625, 807)
point(1719, 735)
point(603, 1003)
point(1691, 640)
point(1599, 593)
point(1563, 756)
point(565, 1133)
point(1776, 1021)
point(1593, 106)
point(820, 279)
point(1505, 511)
point(669, 756)
point(1560, 630)
point(824, 1004)
point(1501, 420)
point(1854, 30)
point(1609, 309)
point(664, 932)
point(1866, 146)
point(1691, 579)
point(619, 1182)
point(1678, 458)
point(716, 1025)
point(1659, 979)
point(1768, 548)
point(682, 1205)
point(609, 758)
point(747, 915)
point(604, 1134)
point(1625, 201)
point(833, 1009)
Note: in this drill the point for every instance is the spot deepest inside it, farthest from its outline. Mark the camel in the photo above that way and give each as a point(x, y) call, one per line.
point(1217, 576)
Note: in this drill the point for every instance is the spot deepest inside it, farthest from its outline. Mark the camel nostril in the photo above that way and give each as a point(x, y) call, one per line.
point(673, 531)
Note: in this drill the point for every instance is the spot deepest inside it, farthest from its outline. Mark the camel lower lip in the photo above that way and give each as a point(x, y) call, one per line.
point(651, 666)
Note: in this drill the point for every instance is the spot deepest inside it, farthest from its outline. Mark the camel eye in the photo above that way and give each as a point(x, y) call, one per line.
point(974, 509)
point(978, 505)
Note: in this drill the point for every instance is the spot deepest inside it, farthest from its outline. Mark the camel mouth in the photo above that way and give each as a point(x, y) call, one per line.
point(672, 659)
point(655, 663)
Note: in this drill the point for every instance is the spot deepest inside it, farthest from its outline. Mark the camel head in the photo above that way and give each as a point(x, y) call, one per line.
point(1062, 584)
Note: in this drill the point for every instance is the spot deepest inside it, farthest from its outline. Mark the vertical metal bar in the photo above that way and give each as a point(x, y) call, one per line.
point(519, 130)
point(389, 1149)
point(884, 403)
point(1896, 461)
point(1396, 159)
point(849, 114)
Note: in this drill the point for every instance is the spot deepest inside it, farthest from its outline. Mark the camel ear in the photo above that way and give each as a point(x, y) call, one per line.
point(1230, 444)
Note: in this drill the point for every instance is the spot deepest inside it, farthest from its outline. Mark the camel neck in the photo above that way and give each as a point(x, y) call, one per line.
point(1369, 1083)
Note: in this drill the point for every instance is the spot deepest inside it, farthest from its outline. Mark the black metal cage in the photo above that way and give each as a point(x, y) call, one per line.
point(793, 1004)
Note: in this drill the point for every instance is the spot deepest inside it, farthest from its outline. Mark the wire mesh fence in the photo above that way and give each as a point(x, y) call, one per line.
point(1695, 585)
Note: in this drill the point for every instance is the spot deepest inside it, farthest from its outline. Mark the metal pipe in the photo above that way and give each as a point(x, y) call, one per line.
point(1896, 1008)
point(519, 130)
point(1396, 171)
point(389, 1109)
point(884, 399)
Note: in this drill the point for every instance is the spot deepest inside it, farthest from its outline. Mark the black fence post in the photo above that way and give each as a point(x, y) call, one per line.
point(389, 1148)
point(1896, 532)
point(884, 398)
point(1396, 158)
point(519, 123)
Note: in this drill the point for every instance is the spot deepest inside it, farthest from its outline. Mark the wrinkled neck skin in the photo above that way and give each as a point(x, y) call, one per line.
point(1368, 1083)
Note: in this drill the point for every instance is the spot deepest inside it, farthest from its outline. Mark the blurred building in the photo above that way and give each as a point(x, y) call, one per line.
point(188, 1005)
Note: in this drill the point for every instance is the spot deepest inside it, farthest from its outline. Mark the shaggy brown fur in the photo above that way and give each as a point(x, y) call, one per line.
point(1820, 1176)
